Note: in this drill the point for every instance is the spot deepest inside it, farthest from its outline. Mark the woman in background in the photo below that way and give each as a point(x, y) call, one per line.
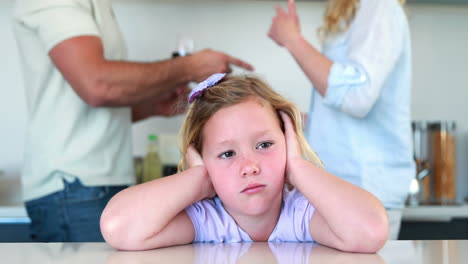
point(359, 117)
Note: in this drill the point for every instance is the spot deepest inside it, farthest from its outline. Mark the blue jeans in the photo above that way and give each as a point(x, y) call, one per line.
point(71, 215)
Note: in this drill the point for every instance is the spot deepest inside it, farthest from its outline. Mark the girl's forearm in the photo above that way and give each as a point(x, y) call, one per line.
point(142, 211)
point(349, 211)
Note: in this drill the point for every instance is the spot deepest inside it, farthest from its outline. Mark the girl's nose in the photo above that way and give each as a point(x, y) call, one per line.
point(250, 168)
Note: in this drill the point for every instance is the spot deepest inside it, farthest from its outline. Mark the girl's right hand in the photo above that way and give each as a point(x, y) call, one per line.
point(193, 159)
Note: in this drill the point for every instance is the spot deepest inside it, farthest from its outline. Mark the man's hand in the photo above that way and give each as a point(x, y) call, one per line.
point(208, 62)
point(175, 104)
point(171, 104)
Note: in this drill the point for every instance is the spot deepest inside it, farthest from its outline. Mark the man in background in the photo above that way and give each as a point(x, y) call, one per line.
point(82, 97)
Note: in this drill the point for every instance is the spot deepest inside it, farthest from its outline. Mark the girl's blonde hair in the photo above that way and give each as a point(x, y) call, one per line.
point(232, 90)
point(338, 16)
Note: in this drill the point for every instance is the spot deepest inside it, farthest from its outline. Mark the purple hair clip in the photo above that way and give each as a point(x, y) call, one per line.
point(201, 87)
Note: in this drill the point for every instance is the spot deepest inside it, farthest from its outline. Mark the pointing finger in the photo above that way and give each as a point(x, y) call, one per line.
point(240, 63)
point(292, 8)
point(280, 11)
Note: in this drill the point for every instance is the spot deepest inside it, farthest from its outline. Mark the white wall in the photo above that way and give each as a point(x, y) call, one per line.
point(152, 28)
point(440, 90)
point(12, 103)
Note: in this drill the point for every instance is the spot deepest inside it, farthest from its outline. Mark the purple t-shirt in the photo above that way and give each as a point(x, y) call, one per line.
point(212, 223)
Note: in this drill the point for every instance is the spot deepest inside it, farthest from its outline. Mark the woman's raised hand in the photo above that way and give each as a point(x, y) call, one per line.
point(285, 25)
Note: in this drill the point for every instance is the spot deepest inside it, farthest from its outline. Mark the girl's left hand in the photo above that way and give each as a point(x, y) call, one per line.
point(293, 149)
point(285, 26)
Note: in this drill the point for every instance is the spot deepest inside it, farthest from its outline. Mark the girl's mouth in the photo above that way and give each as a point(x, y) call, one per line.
point(253, 188)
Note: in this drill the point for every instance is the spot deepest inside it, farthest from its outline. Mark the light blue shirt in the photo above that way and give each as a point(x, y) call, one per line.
point(361, 129)
point(212, 223)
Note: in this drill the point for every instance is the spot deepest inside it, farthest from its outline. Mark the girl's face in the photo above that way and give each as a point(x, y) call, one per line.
point(244, 152)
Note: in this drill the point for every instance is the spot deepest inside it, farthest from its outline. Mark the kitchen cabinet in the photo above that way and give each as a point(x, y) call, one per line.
point(434, 222)
point(456, 228)
point(14, 232)
point(14, 224)
point(14, 221)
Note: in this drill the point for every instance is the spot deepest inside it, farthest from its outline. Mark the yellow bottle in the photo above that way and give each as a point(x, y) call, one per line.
point(152, 166)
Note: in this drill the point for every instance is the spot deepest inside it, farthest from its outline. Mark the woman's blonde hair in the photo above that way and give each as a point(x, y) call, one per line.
point(232, 90)
point(339, 15)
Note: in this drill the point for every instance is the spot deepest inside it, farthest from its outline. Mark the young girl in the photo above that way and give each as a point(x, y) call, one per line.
point(243, 151)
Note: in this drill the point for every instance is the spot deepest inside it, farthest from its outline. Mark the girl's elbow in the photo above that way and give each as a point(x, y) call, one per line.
point(110, 232)
point(374, 237)
point(365, 243)
point(114, 233)
point(117, 236)
point(377, 239)
point(369, 238)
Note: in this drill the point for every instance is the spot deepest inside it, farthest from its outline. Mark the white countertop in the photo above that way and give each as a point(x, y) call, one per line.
point(394, 252)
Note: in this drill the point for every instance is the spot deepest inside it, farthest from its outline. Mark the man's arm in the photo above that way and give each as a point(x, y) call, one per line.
point(176, 104)
point(101, 82)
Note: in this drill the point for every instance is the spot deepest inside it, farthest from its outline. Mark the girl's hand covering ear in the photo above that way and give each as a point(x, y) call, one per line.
point(293, 148)
point(194, 159)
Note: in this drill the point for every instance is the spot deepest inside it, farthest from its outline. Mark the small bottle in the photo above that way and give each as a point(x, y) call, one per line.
point(185, 47)
point(152, 166)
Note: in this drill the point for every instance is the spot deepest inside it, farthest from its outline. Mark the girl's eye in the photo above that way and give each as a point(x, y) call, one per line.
point(227, 154)
point(264, 145)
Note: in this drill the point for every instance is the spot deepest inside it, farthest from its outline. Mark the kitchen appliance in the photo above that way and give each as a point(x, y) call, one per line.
point(434, 154)
point(420, 188)
point(443, 161)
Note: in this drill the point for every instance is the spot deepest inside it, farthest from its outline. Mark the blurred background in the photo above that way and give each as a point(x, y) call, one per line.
point(153, 29)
